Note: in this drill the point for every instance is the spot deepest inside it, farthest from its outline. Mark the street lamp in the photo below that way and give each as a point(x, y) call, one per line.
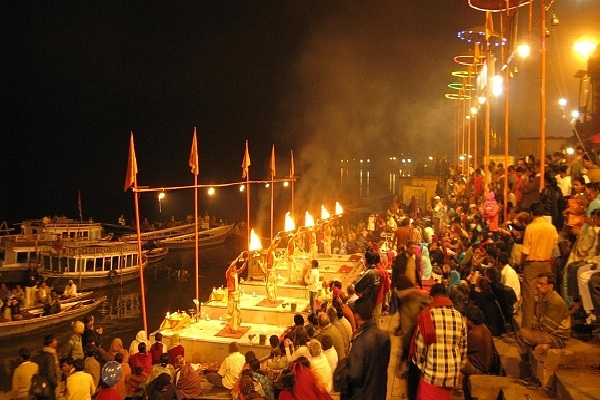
point(161, 196)
point(584, 48)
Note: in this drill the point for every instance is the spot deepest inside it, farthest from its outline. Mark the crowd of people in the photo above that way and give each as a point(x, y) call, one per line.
point(458, 272)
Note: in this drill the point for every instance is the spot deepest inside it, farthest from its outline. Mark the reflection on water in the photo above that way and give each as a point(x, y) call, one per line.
point(121, 314)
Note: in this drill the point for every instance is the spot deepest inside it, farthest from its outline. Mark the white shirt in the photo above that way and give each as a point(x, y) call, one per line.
point(332, 357)
point(313, 280)
point(320, 366)
point(70, 290)
point(510, 278)
point(80, 386)
point(231, 368)
point(564, 184)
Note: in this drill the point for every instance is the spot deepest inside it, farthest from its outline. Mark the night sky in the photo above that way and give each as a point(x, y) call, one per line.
point(328, 79)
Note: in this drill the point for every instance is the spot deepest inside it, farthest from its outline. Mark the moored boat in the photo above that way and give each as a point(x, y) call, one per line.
point(158, 234)
point(37, 235)
point(78, 297)
point(156, 254)
point(209, 237)
point(92, 266)
point(69, 311)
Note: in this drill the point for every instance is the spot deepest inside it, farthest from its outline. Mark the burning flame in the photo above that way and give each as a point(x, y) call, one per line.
point(308, 220)
point(338, 208)
point(289, 222)
point(324, 213)
point(254, 241)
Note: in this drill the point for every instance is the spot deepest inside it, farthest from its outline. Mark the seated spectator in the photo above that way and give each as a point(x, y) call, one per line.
point(320, 365)
point(162, 388)
point(261, 377)
point(162, 366)
point(308, 386)
point(175, 349)
point(187, 380)
point(157, 348)
point(141, 359)
point(229, 373)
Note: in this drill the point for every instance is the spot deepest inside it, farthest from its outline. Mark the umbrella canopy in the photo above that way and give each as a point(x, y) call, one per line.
point(496, 5)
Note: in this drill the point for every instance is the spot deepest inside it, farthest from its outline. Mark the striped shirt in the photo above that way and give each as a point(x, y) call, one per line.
point(441, 361)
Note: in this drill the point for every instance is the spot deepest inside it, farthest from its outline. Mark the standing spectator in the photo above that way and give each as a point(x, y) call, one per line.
point(21, 381)
point(369, 283)
point(405, 279)
point(312, 282)
point(229, 373)
point(91, 365)
point(440, 344)
point(74, 347)
point(539, 241)
point(32, 278)
point(364, 374)
point(49, 364)
point(80, 385)
point(116, 346)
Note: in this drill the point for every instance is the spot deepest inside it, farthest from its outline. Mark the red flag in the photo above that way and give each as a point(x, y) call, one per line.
point(246, 162)
point(131, 175)
point(193, 162)
point(272, 163)
point(292, 172)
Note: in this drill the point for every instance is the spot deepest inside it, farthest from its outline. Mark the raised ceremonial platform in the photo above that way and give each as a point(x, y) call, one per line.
point(206, 338)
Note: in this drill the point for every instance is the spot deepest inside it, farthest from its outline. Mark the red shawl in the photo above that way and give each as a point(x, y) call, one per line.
point(425, 324)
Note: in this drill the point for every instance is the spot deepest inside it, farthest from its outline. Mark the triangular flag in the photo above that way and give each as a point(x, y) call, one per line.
point(272, 163)
point(245, 162)
point(132, 169)
point(292, 172)
point(489, 25)
point(193, 162)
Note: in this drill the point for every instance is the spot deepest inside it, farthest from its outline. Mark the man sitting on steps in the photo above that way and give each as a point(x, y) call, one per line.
point(551, 325)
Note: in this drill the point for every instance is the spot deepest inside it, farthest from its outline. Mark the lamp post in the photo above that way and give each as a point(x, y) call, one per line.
point(161, 196)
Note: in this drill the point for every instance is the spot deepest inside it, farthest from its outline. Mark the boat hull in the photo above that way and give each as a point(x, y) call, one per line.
point(92, 280)
point(211, 237)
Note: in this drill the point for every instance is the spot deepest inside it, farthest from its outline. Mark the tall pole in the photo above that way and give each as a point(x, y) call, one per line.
point(543, 95)
point(272, 186)
point(506, 86)
point(292, 173)
point(486, 145)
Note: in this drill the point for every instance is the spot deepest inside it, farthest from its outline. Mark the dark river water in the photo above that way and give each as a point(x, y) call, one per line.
point(121, 314)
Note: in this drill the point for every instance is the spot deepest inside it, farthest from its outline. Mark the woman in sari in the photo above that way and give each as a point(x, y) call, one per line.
point(175, 349)
point(117, 347)
point(187, 380)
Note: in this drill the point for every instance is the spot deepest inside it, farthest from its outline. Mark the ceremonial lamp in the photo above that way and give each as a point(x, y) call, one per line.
point(197, 303)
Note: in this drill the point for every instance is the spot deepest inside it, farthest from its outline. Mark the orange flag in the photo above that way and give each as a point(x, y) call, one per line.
point(489, 25)
point(246, 162)
point(132, 169)
point(272, 163)
point(193, 162)
point(292, 172)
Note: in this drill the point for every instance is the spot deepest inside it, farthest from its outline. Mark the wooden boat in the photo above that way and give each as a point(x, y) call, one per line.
point(209, 237)
point(156, 254)
point(160, 234)
point(69, 312)
point(78, 297)
point(92, 266)
point(37, 235)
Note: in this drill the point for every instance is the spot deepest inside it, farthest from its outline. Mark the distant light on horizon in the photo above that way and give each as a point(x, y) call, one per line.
point(211, 191)
point(242, 188)
point(562, 102)
point(584, 47)
point(523, 50)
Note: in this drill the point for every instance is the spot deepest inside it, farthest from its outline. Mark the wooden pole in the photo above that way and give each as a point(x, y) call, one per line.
point(543, 95)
